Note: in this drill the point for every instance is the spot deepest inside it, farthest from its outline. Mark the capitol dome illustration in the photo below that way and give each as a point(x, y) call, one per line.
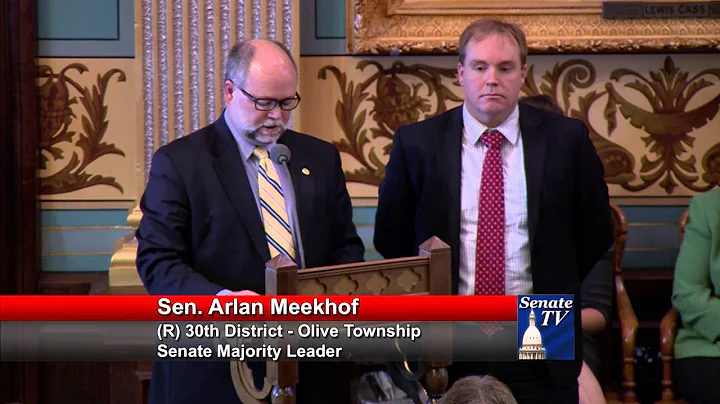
point(532, 347)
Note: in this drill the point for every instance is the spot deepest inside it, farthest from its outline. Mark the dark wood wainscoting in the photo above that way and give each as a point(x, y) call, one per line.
point(93, 382)
point(88, 382)
point(19, 138)
point(650, 291)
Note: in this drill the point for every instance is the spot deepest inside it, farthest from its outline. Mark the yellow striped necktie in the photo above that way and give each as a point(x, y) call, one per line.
point(272, 207)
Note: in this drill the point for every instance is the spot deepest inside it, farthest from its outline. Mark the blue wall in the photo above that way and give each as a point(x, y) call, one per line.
point(83, 240)
point(364, 218)
point(86, 28)
point(327, 36)
point(80, 240)
point(653, 238)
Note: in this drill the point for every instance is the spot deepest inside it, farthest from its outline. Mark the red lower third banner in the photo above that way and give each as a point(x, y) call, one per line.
point(258, 308)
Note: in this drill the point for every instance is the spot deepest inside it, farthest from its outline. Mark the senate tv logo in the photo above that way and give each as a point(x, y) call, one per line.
point(546, 327)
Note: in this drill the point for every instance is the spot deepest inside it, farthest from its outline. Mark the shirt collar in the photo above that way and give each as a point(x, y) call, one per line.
point(510, 128)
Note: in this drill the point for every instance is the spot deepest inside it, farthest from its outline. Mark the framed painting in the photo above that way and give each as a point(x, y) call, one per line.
point(573, 26)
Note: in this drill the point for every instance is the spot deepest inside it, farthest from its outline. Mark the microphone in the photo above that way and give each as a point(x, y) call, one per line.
point(280, 155)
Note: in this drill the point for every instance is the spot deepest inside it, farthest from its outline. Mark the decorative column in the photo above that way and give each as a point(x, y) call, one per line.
point(184, 46)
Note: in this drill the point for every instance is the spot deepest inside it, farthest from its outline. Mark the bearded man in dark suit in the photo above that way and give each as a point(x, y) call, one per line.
point(217, 208)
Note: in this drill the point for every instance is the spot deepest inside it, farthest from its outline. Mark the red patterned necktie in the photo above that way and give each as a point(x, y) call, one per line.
point(490, 247)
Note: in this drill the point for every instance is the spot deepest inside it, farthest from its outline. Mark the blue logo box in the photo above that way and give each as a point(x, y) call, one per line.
point(546, 327)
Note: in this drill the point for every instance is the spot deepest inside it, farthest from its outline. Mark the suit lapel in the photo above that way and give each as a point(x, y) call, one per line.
point(534, 150)
point(231, 171)
point(449, 154)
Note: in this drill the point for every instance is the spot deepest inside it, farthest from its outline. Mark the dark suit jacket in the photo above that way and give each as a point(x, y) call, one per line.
point(568, 212)
point(201, 232)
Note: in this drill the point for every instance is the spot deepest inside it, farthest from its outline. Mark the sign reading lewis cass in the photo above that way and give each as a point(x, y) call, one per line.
point(546, 327)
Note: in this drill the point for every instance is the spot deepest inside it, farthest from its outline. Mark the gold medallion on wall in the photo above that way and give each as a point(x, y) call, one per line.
point(88, 129)
point(652, 118)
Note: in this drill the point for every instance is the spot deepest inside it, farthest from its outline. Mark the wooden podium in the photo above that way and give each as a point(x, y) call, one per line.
point(429, 273)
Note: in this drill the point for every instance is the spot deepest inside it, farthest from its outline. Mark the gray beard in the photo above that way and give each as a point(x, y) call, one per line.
point(256, 137)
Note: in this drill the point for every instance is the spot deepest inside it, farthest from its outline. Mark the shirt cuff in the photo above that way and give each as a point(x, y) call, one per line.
point(223, 292)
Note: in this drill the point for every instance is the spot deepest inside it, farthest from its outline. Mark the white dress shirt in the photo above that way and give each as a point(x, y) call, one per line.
point(518, 279)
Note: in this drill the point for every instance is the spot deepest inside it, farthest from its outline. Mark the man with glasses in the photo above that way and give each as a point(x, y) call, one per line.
point(216, 208)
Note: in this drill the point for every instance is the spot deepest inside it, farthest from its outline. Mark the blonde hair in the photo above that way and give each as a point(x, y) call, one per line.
point(481, 29)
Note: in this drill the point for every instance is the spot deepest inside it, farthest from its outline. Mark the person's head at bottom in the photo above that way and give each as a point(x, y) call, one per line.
point(478, 390)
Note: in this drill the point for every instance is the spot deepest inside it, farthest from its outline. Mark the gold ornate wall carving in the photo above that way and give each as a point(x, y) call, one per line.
point(84, 143)
point(667, 123)
point(394, 103)
point(433, 26)
point(654, 120)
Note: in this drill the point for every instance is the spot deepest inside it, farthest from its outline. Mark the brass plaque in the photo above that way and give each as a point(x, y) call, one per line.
point(621, 10)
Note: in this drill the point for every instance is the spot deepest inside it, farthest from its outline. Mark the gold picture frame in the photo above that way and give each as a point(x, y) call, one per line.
point(573, 26)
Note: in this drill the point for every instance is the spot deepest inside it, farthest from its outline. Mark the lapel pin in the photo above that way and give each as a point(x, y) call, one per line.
point(305, 171)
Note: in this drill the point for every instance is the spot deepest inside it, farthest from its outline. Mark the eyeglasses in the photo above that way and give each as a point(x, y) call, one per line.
point(267, 104)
